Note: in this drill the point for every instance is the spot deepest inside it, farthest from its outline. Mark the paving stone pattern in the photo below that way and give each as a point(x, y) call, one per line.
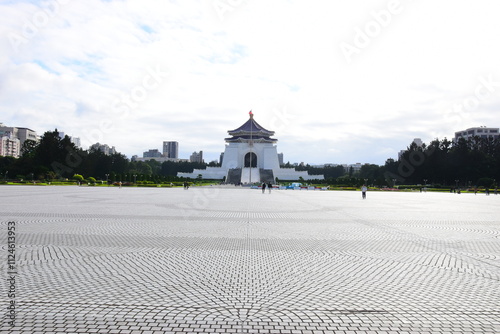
point(231, 260)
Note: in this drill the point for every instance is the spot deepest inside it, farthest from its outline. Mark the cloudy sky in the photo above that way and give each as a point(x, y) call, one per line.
point(338, 81)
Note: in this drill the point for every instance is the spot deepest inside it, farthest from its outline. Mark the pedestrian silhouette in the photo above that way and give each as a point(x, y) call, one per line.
point(263, 187)
point(363, 191)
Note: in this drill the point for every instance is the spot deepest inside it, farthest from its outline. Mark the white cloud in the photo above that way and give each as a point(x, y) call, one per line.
point(74, 67)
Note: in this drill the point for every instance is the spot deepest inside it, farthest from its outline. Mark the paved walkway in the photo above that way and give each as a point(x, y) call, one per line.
point(210, 260)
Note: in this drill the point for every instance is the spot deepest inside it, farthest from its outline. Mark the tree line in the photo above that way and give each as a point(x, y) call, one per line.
point(462, 163)
point(55, 158)
point(472, 162)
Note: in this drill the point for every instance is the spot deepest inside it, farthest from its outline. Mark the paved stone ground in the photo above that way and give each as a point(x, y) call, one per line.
point(229, 260)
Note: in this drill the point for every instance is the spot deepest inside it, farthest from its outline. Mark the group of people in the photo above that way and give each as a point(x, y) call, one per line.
point(269, 186)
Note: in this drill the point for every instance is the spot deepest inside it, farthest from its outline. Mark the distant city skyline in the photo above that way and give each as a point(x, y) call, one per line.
point(170, 148)
point(338, 81)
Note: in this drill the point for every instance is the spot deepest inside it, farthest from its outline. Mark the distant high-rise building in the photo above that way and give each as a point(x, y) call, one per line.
point(280, 158)
point(22, 134)
point(74, 140)
point(355, 167)
point(417, 142)
point(171, 149)
point(196, 157)
point(10, 146)
point(104, 148)
point(153, 153)
point(481, 132)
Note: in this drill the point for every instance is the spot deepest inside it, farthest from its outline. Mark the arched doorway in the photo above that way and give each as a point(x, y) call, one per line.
point(250, 159)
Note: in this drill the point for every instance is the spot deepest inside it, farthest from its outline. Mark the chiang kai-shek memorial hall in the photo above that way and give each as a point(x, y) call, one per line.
point(250, 156)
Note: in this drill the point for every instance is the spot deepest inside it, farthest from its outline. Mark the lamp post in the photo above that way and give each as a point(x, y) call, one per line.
point(394, 183)
point(456, 184)
point(5, 176)
point(135, 176)
point(107, 176)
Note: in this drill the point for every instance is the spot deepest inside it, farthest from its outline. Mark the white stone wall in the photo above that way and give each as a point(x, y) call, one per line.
point(216, 173)
point(270, 157)
point(234, 155)
point(292, 174)
point(231, 157)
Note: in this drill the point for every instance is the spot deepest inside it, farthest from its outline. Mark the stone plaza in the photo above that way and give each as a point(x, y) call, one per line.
point(235, 260)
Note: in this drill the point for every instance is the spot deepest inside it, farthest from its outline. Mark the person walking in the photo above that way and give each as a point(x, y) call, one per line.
point(363, 191)
point(269, 186)
point(263, 187)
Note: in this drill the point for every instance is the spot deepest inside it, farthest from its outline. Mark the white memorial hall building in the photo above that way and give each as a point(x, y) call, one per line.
point(250, 156)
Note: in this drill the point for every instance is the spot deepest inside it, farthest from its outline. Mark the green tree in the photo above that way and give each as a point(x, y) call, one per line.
point(28, 149)
point(56, 154)
point(78, 178)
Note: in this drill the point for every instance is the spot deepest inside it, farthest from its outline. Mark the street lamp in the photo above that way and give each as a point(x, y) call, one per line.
point(394, 183)
point(135, 176)
point(107, 175)
point(456, 184)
